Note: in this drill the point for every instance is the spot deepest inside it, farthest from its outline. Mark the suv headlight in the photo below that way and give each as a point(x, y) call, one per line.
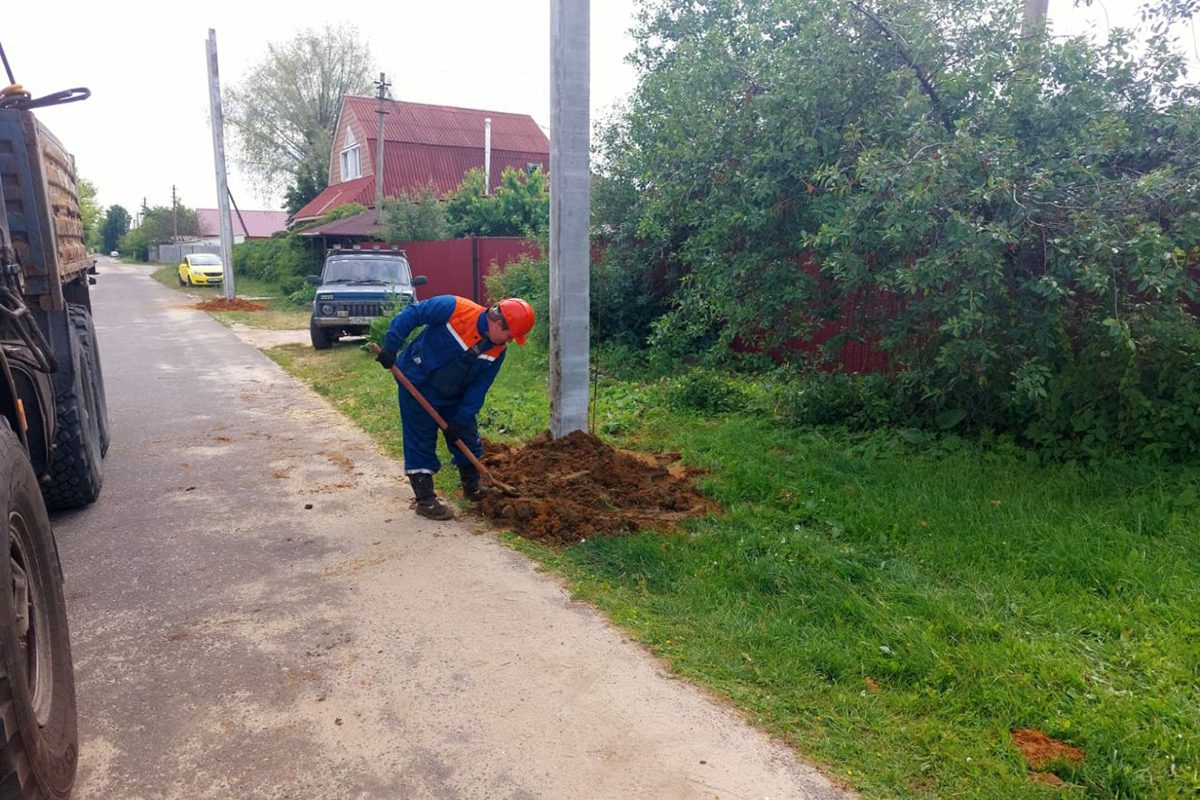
point(326, 309)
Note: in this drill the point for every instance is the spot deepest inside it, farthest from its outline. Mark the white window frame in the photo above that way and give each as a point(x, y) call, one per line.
point(351, 158)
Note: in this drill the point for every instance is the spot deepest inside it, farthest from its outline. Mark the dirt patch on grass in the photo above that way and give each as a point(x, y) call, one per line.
point(231, 304)
point(578, 487)
point(1041, 751)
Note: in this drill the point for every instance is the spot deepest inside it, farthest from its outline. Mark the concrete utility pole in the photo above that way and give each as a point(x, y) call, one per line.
point(570, 179)
point(218, 131)
point(382, 85)
point(174, 216)
point(1035, 16)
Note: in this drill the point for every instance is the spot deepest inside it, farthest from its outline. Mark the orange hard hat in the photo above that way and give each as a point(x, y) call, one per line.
point(518, 316)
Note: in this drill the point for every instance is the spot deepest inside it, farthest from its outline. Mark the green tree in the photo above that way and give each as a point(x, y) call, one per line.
point(135, 244)
point(158, 226)
point(285, 111)
point(311, 177)
point(418, 217)
point(89, 213)
point(115, 226)
point(1002, 216)
point(520, 206)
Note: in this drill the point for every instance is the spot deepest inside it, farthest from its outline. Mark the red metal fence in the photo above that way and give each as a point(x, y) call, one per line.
point(458, 266)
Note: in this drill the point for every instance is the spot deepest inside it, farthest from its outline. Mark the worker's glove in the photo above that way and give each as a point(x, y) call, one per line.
point(454, 432)
point(386, 358)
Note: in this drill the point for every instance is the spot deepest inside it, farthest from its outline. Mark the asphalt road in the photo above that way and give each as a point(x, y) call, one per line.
point(256, 612)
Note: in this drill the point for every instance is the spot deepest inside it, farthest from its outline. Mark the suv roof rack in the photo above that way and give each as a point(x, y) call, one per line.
point(371, 247)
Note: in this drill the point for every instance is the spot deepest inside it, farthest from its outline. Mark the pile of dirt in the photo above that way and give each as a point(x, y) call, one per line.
point(577, 487)
point(1041, 751)
point(231, 304)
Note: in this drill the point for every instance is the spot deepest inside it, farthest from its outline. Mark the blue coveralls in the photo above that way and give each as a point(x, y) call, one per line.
point(453, 364)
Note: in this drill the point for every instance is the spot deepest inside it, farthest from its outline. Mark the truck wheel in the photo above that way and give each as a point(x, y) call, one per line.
point(81, 318)
point(39, 737)
point(75, 477)
point(321, 340)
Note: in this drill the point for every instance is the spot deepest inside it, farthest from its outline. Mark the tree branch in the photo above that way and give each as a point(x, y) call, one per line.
point(922, 75)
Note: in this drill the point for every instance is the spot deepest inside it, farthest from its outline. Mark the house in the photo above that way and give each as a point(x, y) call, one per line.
point(423, 145)
point(246, 224)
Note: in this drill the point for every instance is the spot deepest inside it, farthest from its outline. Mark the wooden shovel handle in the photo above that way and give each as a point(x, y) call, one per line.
point(441, 423)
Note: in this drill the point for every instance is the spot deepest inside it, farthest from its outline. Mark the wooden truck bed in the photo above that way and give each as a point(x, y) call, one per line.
point(42, 204)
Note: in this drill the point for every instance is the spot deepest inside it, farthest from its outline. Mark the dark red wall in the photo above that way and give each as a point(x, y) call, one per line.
point(446, 264)
point(458, 266)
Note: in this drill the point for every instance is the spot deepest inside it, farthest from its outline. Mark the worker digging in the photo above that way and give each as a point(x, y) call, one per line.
point(443, 376)
point(572, 488)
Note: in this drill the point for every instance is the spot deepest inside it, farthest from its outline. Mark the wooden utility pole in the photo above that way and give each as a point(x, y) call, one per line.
point(218, 131)
point(380, 113)
point(174, 216)
point(570, 43)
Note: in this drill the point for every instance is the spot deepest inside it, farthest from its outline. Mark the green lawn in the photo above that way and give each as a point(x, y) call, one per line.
point(891, 609)
point(279, 314)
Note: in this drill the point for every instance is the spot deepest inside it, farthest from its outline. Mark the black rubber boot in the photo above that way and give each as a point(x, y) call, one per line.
point(428, 504)
point(470, 483)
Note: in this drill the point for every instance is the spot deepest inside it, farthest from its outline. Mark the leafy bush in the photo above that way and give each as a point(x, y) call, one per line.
point(520, 206)
point(303, 296)
point(861, 402)
point(392, 304)
point(706, 390)
point(528, 278)
point(413, 218)
point(379, 329)
point(1135, 387)
point(284, 259)
point(988, 213)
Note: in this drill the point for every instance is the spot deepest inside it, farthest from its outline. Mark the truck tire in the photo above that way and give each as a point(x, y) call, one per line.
point(75, 476)
point(81, 318)
point(321, 340)
point(39, 737)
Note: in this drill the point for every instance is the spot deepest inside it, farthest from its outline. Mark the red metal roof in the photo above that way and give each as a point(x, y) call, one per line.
point(358, 190)
point(420, 123)
point(358, 225)
point(409, 167)
point(259, 224)
point(428, 145)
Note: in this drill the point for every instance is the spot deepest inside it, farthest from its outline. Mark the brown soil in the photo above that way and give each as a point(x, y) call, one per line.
point(231, 304)
point(1041, 751)
point(577, 487)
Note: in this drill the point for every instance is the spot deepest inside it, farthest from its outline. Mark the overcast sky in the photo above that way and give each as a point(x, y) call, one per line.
point(145, 128)
point(146, 125)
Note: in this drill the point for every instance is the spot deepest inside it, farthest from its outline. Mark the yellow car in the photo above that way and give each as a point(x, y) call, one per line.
point(201, 269)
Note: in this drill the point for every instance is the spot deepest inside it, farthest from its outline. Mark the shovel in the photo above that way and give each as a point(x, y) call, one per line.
point(462, 446)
